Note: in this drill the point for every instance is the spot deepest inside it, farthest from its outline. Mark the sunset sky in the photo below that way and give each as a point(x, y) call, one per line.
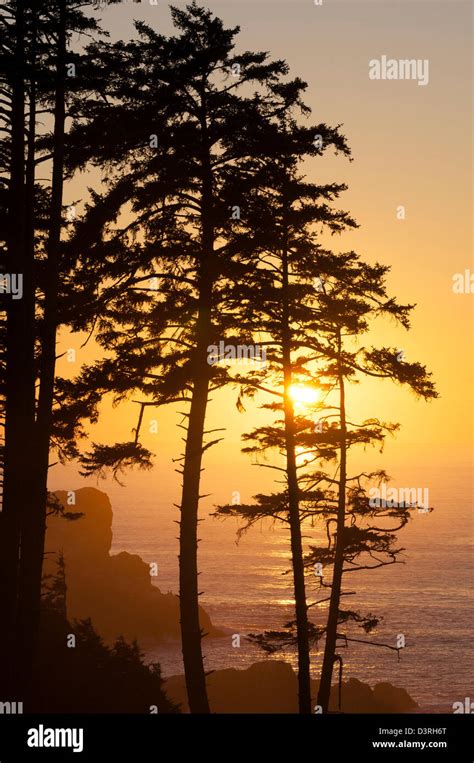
point(411, 146)
point(292, 533)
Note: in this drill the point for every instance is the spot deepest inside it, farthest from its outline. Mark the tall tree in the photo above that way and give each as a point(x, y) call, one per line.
point(37, 59)
point(183, 178)
point(282, 224)
point(348, 294)
point(352, 295)
point(20, 336)
point(34, 523)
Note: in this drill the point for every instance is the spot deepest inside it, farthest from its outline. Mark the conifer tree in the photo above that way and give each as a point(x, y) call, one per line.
point(184, 176)
point(333, 297)
point(19, 336)
point(364, 538)
point(282, 228)
point(33, 75)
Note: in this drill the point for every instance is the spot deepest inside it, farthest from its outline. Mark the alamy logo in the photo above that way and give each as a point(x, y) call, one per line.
point(11, 708)
point(401, 498)
point(46, 737)
point(464, 707)
point(12, 283)
point(232, 353)
point(405, 68)
point(463, 283)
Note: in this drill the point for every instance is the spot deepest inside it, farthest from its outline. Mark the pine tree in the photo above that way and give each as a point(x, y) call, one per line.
point(19, 380)
point(352, 295)
point(282, 226)
point(34, 55)
point(347, 296)
point(184, 176)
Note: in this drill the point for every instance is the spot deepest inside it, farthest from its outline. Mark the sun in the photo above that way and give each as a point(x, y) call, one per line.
point(304, 395)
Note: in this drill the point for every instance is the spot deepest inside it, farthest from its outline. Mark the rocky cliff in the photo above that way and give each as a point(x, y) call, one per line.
point(115, 591)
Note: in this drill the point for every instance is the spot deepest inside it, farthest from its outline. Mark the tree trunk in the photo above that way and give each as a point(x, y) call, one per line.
point(331, 631)
point(188, 567)
point(301, 609)
point(19, 374)
point(191, 636)
point(35, 524)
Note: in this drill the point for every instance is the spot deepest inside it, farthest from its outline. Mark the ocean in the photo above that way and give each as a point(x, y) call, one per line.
point(247, 588)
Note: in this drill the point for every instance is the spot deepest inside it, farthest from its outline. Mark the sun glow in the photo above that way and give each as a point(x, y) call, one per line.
point(302, 456)
point(304, 395)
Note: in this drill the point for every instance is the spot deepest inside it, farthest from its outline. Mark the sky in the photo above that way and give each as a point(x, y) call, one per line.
point(412, 147)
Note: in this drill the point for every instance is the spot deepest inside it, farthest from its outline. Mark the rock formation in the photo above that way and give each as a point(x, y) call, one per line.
point(115, 591)
point(271, 687)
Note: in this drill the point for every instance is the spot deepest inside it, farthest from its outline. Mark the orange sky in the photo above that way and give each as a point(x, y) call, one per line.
point(412, 146)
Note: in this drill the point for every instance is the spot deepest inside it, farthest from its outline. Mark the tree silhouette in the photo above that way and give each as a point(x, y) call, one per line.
point(92, 677)
point(282, 224)
point(19, 340)
point(347, 296)
point(352, 295)
point(34, 74)
point(205, 230)
point(183, 176)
